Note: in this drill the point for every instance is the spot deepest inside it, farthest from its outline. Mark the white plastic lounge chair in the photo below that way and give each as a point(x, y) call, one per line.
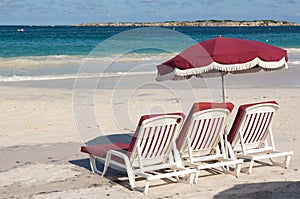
point(201, 140)
point(251, 135)
point(150, 150)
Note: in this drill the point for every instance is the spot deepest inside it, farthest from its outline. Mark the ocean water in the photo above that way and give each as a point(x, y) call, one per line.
point(60, 52)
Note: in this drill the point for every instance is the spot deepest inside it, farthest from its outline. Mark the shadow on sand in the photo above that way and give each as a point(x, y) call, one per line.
point(112, 174)
point(109, 139)
point(274, 190)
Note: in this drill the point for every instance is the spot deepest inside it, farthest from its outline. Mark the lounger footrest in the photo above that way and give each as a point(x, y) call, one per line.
point(180, 172)
point(273, 154)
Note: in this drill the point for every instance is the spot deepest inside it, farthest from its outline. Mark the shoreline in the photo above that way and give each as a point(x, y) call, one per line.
point(285, 78)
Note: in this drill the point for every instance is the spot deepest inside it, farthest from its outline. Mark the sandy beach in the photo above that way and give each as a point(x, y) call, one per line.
point(44, 123)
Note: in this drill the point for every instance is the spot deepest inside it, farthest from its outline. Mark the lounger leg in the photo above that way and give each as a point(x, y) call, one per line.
point(146, 187)
point(129, 170)
point(250, 166)
point(107, 162)
point(237, 170)
point(93, 165)
point(131, 179)
point(130, 174)
point(287, 161)
point(191, 178)
point(196, 177)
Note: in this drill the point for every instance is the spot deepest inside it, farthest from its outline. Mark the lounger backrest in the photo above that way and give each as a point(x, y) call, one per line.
point(252, 122)
point(203, 126)
point(153, 138)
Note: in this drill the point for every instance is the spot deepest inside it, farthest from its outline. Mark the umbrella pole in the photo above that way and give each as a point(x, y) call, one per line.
point(226, 127)
point(223, 89)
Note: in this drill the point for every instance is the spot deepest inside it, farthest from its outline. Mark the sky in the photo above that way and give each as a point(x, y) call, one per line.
point(65, 12)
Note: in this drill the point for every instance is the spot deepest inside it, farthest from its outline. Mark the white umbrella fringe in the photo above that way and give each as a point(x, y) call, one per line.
point(214, 69)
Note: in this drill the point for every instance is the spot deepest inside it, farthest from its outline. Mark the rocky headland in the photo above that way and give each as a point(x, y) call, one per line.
point(195, 23)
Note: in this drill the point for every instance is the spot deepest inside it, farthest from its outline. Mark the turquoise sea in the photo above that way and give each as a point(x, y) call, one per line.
point(58, 52)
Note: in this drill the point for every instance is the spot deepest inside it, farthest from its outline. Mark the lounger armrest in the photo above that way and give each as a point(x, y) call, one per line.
point(118, 154)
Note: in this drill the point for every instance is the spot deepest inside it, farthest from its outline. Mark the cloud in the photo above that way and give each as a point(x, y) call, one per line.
point(186, 5)
point(13, 5)
point(292, 1)
point(210, 2)
point(148, 1)
point(151, 10)
point(273, 6)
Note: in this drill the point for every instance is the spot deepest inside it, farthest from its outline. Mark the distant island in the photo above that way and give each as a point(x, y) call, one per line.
point(195, 23)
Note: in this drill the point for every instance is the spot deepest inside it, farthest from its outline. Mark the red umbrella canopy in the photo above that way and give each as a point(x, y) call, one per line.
point(223, 55)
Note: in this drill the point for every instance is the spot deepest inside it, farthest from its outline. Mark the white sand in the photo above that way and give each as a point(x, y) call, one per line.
point(42, 129)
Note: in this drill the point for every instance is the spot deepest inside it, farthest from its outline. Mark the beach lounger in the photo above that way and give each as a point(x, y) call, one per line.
point(149, 152)
point(201, 140)
point(251, 135)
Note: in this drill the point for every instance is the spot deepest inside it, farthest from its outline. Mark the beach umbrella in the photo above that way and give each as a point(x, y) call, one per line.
point(220, 56)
